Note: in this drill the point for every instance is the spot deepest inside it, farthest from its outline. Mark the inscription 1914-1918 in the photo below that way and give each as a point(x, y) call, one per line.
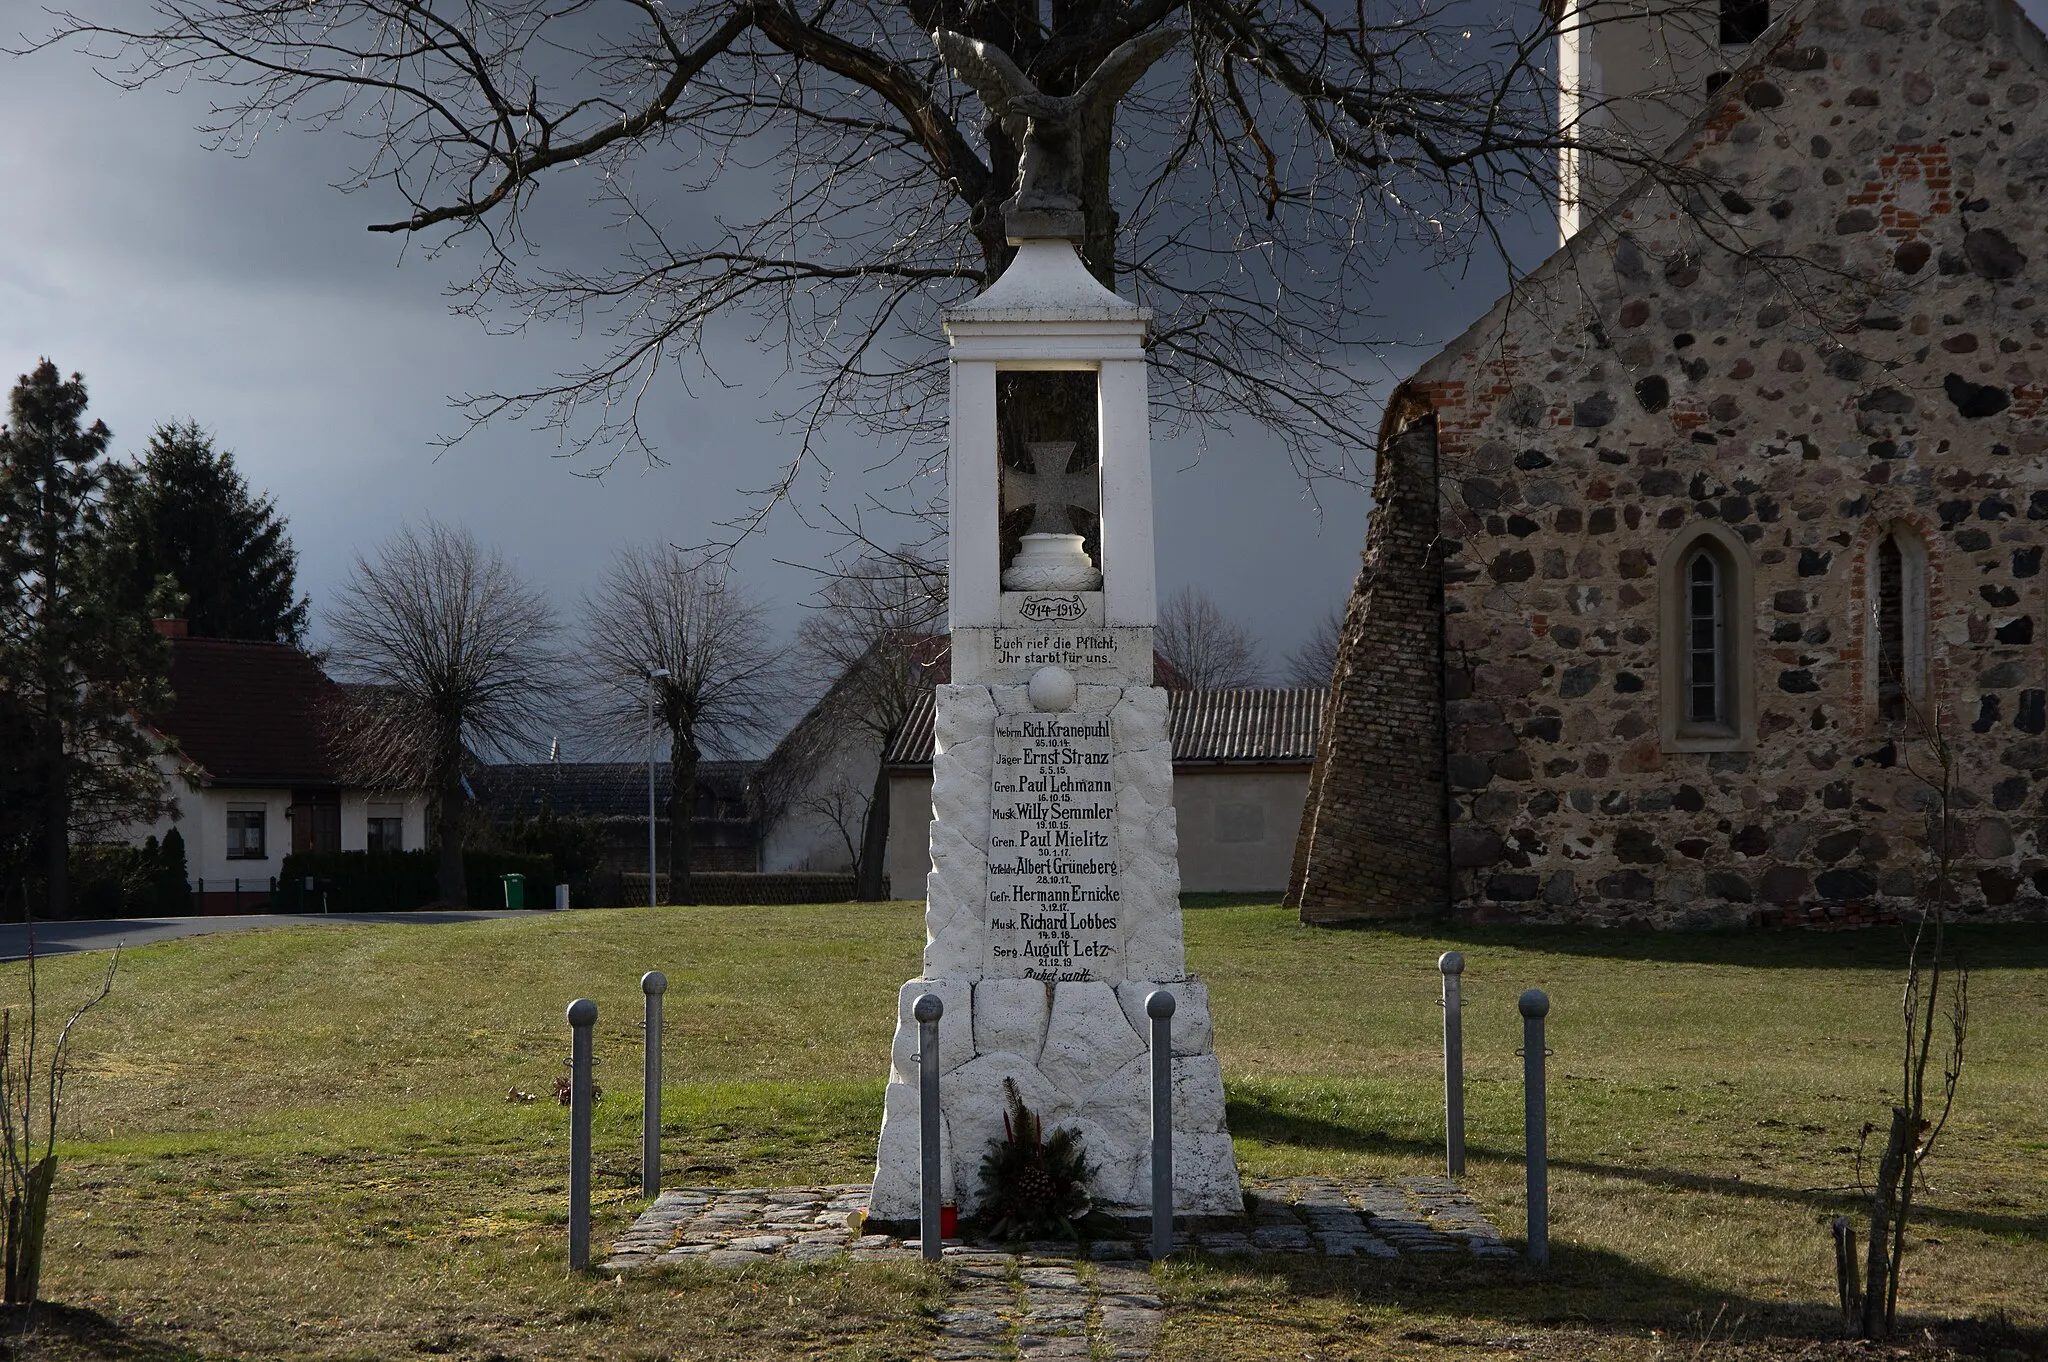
point(1054, 902)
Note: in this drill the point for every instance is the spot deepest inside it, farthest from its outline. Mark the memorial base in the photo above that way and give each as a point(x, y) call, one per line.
point(1052, 911)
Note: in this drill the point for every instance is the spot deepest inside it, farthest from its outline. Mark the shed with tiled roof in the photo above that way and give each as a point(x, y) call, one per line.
point(1241, 762)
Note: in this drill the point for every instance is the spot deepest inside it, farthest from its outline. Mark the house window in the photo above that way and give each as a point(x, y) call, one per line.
point(387, 832)
point(245, 835)
point(1704, 663)
point(1743, 21)
point(1706, 642)
point(1897, 575)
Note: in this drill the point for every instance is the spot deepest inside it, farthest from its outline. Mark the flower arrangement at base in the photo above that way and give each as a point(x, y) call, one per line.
point(1035, 1186)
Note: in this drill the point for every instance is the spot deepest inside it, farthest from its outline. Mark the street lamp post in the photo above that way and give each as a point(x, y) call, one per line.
point(654, 674)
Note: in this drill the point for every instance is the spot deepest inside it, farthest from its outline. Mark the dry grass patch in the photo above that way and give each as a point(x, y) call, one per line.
point(298, 1144)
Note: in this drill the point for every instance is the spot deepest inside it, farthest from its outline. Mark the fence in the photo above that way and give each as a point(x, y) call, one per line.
point(767, 886)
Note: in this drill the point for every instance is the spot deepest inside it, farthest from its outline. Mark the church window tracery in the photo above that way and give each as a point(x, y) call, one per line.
point(1897, 576)
point(1705, 656)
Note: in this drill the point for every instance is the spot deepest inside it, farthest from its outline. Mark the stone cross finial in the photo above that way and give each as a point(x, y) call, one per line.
point(1049, 489)
point(1054, 130)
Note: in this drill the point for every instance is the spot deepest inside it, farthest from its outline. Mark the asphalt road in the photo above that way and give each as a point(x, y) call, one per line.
point(63, 938)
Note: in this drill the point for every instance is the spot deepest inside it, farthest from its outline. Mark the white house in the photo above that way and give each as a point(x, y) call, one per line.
point(254, 778)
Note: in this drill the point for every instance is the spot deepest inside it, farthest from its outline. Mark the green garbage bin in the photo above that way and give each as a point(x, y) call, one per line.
point(515, 890)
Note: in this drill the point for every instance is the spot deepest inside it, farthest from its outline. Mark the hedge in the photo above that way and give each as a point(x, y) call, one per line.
point(401, 881)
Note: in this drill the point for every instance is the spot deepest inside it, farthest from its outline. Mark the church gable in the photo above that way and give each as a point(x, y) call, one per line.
point(1744, 495)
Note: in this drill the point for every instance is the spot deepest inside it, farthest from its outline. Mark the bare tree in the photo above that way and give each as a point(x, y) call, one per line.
point(1210, 650)
point(1265, 174)
point(454, 654)
point(1870, 1292)
point(1314, 663)
point(702, 646)
point(873, 645)
point(32, 1085)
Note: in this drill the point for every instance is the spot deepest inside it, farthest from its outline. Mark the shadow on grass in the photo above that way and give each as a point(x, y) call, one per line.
point(1591, 1290)
point(1264, 1116)
point(51, 1332)
point(2014, 946)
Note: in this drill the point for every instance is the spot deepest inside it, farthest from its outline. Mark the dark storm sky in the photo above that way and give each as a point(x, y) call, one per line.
point(244, 293)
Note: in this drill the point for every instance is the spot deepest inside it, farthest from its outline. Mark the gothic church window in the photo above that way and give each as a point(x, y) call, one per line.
point(1704, 643)
point(1896, 578)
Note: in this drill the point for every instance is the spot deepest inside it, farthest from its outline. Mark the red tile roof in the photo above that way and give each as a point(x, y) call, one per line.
point(252, 713)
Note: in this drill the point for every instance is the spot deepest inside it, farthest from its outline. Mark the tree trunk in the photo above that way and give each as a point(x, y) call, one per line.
point(682, 803)
point(1099, 220)
point(1848, 1279)
point(1879, 1276)
point(868, 872)
point(448, 874)
point(56, 770)
point(28, 1214)
point(57, 826)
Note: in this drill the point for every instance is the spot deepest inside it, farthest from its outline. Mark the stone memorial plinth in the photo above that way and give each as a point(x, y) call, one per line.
point(1052, 906)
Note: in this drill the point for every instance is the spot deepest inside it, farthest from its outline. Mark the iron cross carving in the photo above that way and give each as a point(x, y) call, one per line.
point(1049, 489)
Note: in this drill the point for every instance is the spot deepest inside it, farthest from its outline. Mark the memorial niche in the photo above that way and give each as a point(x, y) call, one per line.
point(1047, 437)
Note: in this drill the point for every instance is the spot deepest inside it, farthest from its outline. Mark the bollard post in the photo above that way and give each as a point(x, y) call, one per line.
point(653, 983)
point(1535, 1005)
point(582, 1017)
point(1159, 1005)
point(1452, 964)
point(927, 1011)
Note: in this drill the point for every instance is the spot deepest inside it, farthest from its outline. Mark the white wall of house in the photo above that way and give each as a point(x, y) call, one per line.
point(201, 818)
point(812, 833)
point(910, 836)
point(1237, 827)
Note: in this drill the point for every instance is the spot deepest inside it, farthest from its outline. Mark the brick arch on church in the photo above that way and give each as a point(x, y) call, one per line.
point(1861, 649)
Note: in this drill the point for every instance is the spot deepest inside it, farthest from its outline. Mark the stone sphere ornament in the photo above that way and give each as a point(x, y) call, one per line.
point(1051, 562)
point(1053, 688)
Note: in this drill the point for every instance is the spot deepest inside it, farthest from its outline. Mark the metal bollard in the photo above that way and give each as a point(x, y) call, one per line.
point(1159, 1005)
point(653, 983)
point(582, 1017)
point(927, 1010)
point(1452, 965)
point(1535, 1005)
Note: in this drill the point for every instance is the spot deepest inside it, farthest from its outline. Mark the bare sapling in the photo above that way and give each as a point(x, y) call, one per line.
point(1936, 991)
point(31, 1105)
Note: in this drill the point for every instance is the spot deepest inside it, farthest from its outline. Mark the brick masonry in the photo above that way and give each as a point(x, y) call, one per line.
point(1824, 325)
point(1375, 849)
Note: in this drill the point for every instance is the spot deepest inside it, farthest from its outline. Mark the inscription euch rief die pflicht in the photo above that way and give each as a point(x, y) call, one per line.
point(1054, 902)
point(1074, 650)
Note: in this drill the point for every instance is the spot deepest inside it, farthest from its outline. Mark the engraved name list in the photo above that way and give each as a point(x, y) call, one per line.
point(1054, 903)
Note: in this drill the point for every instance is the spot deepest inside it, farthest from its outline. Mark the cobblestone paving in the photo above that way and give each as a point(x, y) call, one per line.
point(731, 1227)
point(1038, 1301)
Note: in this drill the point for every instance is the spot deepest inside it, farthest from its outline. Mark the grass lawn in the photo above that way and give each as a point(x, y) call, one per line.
point(300, 1143)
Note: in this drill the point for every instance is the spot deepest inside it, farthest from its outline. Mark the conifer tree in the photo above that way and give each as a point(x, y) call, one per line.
point(82, 676)
point(185, 513)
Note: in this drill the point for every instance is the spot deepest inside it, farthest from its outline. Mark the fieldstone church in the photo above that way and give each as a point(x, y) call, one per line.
point(1699, 559)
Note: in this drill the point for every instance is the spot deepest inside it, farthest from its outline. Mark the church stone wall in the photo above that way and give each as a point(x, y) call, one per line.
point(1831, 322)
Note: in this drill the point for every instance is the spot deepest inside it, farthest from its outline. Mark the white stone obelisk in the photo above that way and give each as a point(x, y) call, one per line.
point(1052, 906)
